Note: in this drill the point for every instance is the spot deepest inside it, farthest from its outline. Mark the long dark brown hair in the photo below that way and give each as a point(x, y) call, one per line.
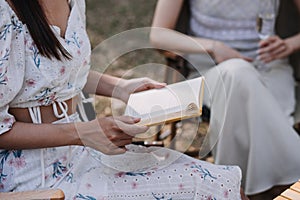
point(32, 14)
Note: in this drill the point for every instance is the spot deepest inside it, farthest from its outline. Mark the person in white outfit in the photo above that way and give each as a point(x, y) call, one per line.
point(250, 82)
point(44, 65)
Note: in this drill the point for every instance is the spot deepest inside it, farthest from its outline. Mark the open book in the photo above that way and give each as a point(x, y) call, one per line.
point(174, 102)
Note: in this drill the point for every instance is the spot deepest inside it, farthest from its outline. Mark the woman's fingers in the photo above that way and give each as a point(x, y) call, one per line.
point(273, 48)
point(123, 130)
point(117, 134)
point(127, 125)
point(130, 128)
point(269, 44)
point(128, 119)
point(247, 59)
point(268, 41)
point(222, 52)
point(278, 50)
point(112, 135)
point(147, 83)
point(122, 143)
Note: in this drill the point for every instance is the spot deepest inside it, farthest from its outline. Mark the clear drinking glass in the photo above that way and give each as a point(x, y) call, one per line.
point(265, 24)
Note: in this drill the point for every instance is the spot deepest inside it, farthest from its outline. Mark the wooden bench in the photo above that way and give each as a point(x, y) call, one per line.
point(292, 193)
point(51, 194)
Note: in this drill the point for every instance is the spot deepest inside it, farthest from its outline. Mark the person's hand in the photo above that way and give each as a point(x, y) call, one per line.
point(130, 86)
point(109, 135)
point(222, 52)
point(274, 48)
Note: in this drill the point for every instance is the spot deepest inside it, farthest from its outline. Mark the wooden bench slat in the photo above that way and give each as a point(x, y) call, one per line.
point(51, 194)
point(291, 194)
point(280, 198)
point(296, 186)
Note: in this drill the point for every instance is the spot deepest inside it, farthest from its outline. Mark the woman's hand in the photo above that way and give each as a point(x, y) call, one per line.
point(274, 48)
point(109, 135)
point(222, 52)
point(130, 86)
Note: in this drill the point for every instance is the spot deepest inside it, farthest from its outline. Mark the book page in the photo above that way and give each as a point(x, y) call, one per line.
point(173, 102)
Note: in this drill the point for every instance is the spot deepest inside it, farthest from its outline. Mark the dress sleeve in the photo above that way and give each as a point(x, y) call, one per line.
point(12, 63)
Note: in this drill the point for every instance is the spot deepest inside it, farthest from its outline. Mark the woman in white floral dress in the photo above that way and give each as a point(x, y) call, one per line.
point(44, 65)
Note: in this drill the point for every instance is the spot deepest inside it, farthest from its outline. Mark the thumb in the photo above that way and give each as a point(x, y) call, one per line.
point(128, 119)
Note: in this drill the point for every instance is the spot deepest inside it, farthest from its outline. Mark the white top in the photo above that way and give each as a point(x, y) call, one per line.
point(28, 79)
point(221, 20)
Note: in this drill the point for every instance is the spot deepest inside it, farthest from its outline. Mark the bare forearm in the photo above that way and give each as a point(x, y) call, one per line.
point(102, 84)
point(163, 34)
point(171, 40)
point(294, 42)
point(33, 136)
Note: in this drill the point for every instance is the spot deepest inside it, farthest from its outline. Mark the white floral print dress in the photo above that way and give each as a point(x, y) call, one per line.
point(41, 81)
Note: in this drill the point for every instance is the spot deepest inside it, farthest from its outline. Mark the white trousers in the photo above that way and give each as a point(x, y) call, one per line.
point(252, 124)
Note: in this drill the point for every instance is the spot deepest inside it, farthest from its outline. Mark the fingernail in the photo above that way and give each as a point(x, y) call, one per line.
point(136, 119)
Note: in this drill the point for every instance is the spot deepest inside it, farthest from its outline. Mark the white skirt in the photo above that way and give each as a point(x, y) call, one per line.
point(251, 122)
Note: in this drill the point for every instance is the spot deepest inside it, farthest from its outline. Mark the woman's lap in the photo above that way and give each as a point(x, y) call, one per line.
point(250, 120)
point(186, 178)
